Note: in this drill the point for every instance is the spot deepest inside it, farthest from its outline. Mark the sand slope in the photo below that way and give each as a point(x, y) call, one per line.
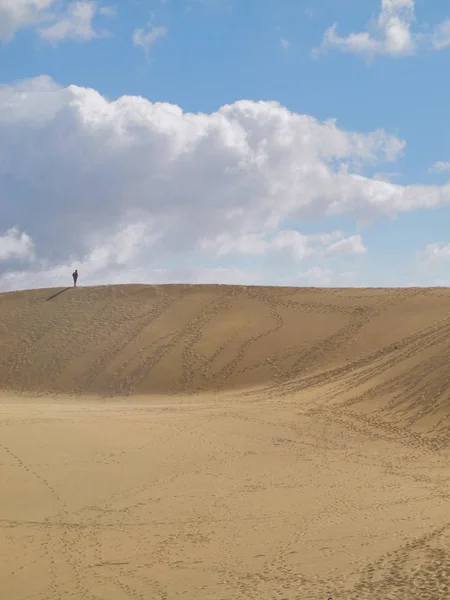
point(387, 350)
point(224, 443)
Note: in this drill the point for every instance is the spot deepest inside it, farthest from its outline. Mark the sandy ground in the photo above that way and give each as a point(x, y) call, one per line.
point(224, 443)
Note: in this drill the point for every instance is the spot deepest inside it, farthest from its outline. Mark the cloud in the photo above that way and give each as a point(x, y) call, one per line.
point(441, 35)
point(285, 44)
point(440, 167)
point(147, 38)
point(390, 34)
point(135, 190)
point(76, 24)
point(316, 276)
point(16, 245)
point(321, 276)
point(386, 176)
point(50, 19)
point(433, 264)
point(435, 253)
point(15, 14)
point(297, 245)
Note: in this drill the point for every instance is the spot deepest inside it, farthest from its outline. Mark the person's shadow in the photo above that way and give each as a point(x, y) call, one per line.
point(57, 294)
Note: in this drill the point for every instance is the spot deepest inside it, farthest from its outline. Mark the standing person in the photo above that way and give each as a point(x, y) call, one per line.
point(75, 277)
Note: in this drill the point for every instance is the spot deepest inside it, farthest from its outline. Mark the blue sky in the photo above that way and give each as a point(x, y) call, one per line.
point(100, 172)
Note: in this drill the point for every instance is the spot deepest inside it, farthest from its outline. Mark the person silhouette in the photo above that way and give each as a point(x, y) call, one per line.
point(75, 277)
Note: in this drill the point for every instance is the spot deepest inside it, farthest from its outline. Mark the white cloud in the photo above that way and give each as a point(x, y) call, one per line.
point(129, 189)
point(16, 245)
point(317, 276)
point(386, 176)
point(390, 34)
point(297, 245)
point(52, 20)
point(285, 44)
point(147, 38)
point(346, 245)
point(436, 253)
point(77, 24)
point(441, 35)
point(15, 14)
point(440, 167)
point(321, 276)
point(433, 264)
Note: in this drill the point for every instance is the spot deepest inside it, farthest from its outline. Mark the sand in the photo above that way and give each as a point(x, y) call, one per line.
point(224, 442)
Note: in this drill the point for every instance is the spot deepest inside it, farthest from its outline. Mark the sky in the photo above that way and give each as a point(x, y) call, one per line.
point(268, 142)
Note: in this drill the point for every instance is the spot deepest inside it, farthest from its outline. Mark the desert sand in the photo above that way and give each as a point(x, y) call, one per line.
point(224, 442)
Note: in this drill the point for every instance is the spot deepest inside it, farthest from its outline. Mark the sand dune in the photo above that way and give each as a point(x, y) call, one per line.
point(225, 442)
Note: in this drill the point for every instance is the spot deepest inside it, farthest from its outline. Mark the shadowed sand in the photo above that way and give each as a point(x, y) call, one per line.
point(221, 443)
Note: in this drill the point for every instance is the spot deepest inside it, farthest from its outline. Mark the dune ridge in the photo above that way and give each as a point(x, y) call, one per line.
point(386, 349)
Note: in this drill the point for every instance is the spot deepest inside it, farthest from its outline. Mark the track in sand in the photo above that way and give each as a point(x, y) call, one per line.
point(224, 442)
